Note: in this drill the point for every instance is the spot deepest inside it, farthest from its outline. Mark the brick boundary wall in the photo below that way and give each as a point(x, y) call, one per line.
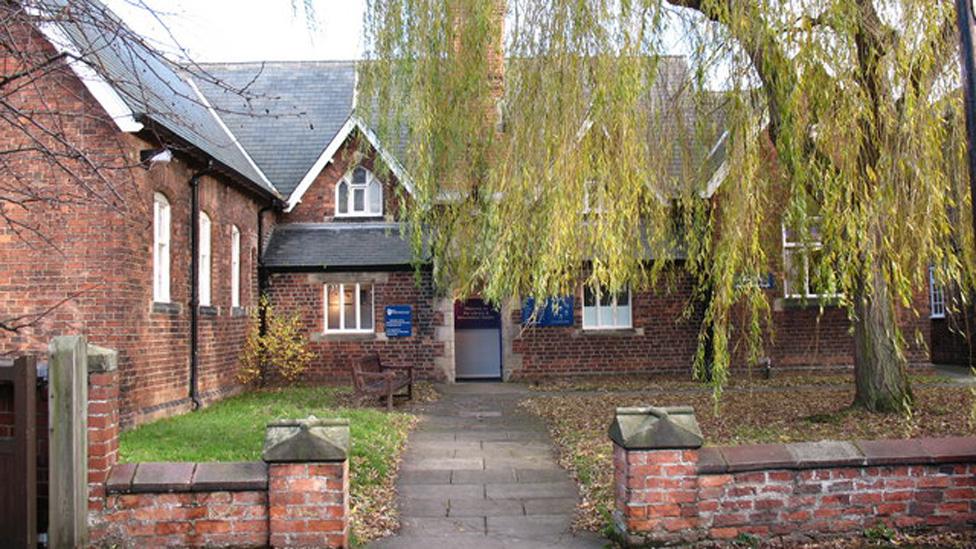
point(792, 492)
point(297, 497)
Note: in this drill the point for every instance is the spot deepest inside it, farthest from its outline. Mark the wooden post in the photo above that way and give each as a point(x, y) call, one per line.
point(68, 432)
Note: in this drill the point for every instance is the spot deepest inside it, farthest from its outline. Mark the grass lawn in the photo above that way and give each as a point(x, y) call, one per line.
point(578, 424)
point(233, 430)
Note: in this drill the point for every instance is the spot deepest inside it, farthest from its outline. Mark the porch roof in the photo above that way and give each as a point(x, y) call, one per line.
point(338, 246)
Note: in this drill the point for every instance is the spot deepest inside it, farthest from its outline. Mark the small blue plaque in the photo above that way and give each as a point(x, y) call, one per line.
point(399, 320)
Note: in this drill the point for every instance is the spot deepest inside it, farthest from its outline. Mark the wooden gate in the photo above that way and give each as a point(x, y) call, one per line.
point(18, 454)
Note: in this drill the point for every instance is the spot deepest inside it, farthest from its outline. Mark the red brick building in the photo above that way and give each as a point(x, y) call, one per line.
point(277, 192)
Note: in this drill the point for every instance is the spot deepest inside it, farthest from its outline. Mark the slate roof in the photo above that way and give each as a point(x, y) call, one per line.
point(337, 246)
point(148, 84)
point(289, 111)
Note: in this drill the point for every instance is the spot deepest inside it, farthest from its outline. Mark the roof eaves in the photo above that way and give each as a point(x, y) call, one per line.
point(330, 150)
point(161, 130)
point(353, 122)
point(103, 92)
point(233, 138)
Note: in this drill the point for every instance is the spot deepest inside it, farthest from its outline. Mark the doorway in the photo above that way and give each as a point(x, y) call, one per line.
point(477, 341)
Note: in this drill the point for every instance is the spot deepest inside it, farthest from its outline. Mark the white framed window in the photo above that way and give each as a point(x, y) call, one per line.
point(161, 235)
point(203, 279)
point(603, 310)
point(348, 307)
point(235, 266)
point(801, 267)
point(359, 194)
point(937, 304)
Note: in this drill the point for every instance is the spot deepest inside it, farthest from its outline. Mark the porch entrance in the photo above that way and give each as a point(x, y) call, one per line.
point(477, 341)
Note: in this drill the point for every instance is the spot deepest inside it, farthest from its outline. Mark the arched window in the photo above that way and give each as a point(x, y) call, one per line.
point(204, 278)
point(161, 232)
point(359, 194)
point(342, 200)
point(235, 266)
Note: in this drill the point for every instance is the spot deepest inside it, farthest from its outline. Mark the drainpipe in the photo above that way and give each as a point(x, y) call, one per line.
point(195, 282)
point(262, 272)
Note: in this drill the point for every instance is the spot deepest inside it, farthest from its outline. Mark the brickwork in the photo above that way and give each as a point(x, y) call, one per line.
point(94, 254)
point(796, 492)
point(304, 293)
point(318, 202)
point(309, 504)
point(661, 340)
point(192, 519)
point(103, 433)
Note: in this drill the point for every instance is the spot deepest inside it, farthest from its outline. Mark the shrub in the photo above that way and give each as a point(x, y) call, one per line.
point(280, 353)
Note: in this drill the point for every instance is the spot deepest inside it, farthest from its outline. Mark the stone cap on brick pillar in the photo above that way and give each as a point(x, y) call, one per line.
point(102, 360)
point(652, 428)
point(306, 440)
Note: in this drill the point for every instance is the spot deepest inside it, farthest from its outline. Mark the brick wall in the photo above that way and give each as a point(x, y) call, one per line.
point(661, 340)
point(199, 519)
point(794, 492)
point(303, 293)
point(297, 497)
point(664, 339)
point(318, 202)
point(94, 254)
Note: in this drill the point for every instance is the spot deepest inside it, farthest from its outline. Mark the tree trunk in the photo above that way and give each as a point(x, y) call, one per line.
point(880, 368)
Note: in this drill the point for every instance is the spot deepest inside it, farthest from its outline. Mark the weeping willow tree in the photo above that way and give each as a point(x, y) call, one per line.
point(553, 142)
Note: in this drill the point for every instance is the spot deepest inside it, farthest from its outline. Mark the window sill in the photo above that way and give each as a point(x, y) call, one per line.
point(238, 311)
point(608, 332)
point(792, 303)
point(346, 336)
point(166, 307)
point(207, 310)
point(370, 217)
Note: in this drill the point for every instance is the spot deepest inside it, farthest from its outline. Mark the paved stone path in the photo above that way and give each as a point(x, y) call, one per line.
point(481, 473)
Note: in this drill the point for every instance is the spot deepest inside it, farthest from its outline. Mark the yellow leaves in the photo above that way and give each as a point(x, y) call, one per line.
point(280, 354)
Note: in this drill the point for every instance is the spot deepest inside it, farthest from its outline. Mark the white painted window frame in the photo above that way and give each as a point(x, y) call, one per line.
point(614, 312)
point(342, 303)
point(205, 257)
point(350, 200)
point(162, 229)
point(937, 306)
point(235, 266)
point(790, 250)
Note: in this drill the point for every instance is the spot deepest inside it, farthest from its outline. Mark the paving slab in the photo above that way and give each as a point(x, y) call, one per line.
point(424, 477)
point(550, 506)
point(482, 507)
point(415, 507)
point(534, 527)
point(541, 475)
point(527, 462)
point(474, 467)
point(565, 489)
point(441, 491)
point(442, 526)
point(442, 464)
point(494, 476)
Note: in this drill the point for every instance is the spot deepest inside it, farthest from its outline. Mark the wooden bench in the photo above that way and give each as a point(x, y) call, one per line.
point(372, 378)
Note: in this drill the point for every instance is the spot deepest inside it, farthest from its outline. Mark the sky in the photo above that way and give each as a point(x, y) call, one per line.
point(249, 30)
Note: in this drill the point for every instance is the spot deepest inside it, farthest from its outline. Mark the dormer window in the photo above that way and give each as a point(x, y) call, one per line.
point(359, 194)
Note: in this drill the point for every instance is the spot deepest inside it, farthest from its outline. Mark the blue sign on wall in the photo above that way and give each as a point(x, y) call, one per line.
point(399, 320)
point(556, 312)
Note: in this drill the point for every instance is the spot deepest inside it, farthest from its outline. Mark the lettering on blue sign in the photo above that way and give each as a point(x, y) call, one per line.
point(399, 320)
point(555, 312)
